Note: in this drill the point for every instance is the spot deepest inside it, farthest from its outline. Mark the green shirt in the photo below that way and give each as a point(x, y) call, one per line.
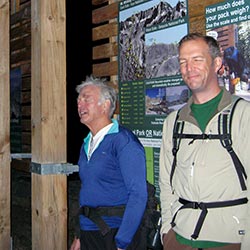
point(199, 243)
point(203, 113)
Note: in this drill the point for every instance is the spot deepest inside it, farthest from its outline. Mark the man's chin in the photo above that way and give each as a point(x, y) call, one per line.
point(82, 120)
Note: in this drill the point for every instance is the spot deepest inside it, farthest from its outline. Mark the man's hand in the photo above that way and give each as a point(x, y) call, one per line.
point(76, 245)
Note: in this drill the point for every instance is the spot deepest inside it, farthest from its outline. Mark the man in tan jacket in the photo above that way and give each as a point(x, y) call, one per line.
point(204, 194)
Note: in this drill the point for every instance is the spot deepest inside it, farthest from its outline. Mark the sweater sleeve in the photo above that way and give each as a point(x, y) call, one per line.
point(132, 164)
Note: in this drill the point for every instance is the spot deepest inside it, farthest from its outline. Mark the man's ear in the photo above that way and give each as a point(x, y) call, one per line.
point(107, 105)
point(217, 64)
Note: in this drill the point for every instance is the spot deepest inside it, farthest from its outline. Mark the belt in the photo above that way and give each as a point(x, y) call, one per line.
point(95, 214)
point(203, 206)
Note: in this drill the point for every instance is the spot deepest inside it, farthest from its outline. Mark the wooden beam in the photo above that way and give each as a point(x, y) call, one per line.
point(5, 240)
point(49, 81)
point(49, 212)
point(105, 51)
point(48, 88)
point(23, 14)
point(105, 69)
point(98, 2)
point(105, 13)
point(21, 55)
point(21, 44)
point(196, 8)
point(104, 31)
point(24, 28)
point(25, 67)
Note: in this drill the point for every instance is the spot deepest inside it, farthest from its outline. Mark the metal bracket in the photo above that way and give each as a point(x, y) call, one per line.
point(20, 156)
point(53, 168)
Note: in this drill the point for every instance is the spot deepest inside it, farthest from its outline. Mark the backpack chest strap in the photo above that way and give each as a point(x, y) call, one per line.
point(224, 135)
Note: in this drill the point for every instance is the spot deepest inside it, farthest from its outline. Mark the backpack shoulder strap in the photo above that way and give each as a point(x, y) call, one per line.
point(224, 129)
point(177, 131)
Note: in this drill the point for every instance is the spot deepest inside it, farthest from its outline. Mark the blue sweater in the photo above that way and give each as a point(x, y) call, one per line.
point(115, 175)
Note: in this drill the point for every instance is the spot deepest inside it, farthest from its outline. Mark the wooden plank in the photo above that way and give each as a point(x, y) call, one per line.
point(105, 51)
point(21, 55)
point(5, 240)
point(24, 42)
point(196, 8)
point(113, 84)
point(104, 31)
point(98, 2)
point(24, 1)
point(49, 192)
point(105, 13)
point(25, 67)
point(197, 24)
point(22, 30)
point(23, 14)
point(105, 69)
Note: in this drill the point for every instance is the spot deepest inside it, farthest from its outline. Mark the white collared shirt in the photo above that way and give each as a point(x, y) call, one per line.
point(95, 140)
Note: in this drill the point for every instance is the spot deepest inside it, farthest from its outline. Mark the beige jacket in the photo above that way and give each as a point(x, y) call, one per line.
point(206, 173)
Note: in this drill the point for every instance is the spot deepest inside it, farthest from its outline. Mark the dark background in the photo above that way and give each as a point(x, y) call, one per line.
point(79, 65)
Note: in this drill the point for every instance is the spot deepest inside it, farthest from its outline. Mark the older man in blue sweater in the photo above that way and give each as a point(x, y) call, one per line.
point(113, 192)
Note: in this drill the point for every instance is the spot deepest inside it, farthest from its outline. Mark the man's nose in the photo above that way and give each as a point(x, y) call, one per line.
point(189, 66)
point(80, 103)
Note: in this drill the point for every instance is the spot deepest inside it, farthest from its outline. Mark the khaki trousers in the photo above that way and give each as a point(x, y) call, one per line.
point(170, 243)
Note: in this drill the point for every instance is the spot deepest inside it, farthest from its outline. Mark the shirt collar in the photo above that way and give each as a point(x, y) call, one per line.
point(114, 129)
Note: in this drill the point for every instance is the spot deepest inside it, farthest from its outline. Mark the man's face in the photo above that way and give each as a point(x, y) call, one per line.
point(198, 69)
point(90, 109)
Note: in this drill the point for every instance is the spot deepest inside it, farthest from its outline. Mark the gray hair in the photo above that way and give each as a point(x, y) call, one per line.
point(213, 45)
point(106, 92)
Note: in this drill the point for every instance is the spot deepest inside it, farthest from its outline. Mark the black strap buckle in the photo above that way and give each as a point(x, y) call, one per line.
point(86, 211)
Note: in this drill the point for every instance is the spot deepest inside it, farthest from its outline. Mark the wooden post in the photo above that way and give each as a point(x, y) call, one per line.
point(48, 88)
point(5, 242)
